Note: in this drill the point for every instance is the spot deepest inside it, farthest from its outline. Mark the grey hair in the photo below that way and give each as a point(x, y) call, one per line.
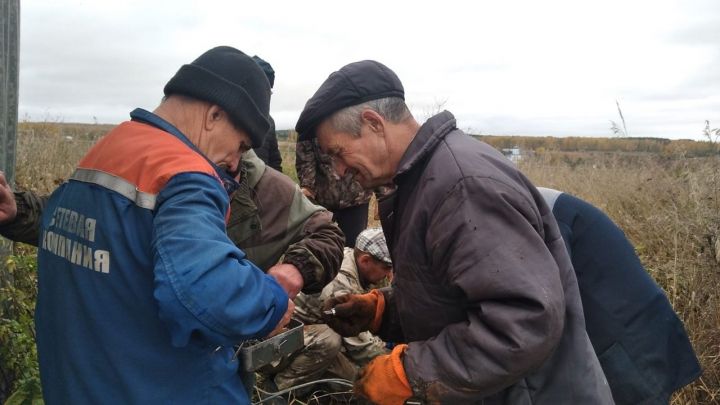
point(349, 119)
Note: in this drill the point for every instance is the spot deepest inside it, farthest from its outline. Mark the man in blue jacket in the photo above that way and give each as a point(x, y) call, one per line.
point(642, 346)
point(142, 296)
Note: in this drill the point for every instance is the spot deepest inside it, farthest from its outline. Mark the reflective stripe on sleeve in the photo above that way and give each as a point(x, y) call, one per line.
point(117, 184)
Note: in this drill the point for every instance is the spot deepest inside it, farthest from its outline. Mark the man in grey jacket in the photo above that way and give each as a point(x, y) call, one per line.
point(484, 297)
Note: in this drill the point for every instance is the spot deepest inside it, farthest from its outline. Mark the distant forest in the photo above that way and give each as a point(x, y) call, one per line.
point(527, 144)
point(685, 147)
point(541, 144)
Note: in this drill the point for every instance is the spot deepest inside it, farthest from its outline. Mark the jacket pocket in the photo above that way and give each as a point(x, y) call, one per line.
point(628, 386)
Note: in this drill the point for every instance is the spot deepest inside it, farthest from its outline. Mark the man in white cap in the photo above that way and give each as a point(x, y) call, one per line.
point(326, 353)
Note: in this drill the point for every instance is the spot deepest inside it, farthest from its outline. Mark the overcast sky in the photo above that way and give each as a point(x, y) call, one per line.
point(519, 67)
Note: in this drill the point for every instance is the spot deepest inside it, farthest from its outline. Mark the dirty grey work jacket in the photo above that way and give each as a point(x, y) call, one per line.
point(483, 291)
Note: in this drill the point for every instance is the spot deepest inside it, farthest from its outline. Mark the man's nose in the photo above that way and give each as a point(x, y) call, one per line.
point(234, 166)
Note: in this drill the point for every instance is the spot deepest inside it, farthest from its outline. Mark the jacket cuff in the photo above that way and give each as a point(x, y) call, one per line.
point(25, 227)
point(309, 266)
point(379, 311)
point(281, 298)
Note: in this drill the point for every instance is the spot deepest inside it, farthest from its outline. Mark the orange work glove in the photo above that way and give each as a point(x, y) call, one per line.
point(383, 380)
point(351, 314)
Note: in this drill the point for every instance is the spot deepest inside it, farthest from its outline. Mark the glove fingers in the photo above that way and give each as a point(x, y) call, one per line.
point(351, 314)
point(346, 310)
point(340, 311)
point(344, 327)
point(333, 301)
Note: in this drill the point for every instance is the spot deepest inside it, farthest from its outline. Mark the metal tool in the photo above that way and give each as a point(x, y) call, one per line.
point(255, 354)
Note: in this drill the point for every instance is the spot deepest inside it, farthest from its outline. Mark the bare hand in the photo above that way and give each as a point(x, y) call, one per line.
point(289, 278)
point(285, 319)
point(8, 208)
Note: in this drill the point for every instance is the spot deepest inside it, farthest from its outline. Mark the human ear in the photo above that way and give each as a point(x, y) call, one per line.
point(364, 259)
point(374, 120)
point(213, 116)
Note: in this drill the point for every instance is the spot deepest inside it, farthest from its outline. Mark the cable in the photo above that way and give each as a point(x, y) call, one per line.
point(341, 381)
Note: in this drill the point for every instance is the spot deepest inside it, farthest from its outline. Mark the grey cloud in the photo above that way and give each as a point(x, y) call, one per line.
point(475, 68)
point(76, 65)
point(702, 24)
point(705, 33)
point(703, 84)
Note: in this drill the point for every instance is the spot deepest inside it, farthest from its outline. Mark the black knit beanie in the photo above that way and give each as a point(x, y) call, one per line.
point(267, 68)
point(231, 79)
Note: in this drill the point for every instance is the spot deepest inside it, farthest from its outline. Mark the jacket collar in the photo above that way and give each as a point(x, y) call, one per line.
point(425, 141)
point(254, 168)
point(146, 117)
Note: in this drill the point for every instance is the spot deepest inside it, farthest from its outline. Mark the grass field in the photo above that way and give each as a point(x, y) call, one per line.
point(668, 205)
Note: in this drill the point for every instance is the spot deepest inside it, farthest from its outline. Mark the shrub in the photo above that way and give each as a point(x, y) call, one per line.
point(18, 355)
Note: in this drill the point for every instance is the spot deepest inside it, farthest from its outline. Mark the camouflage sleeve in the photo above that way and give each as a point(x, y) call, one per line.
point(306, 164)
point(341, 285)
point(318, 252)
point(26, 226)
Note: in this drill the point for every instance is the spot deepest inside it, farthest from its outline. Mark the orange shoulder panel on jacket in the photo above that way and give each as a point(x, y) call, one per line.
point(145, 156)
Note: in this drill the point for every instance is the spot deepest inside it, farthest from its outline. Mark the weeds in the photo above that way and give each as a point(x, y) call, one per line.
point(669, 209)
point(667, 203)
point(18, 355)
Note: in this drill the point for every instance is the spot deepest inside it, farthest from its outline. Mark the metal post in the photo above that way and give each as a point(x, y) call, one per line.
point(9, 50)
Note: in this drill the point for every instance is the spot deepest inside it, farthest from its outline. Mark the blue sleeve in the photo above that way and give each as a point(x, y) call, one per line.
point(205, 287)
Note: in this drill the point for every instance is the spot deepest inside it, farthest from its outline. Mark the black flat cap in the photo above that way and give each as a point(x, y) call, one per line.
point(353, 84)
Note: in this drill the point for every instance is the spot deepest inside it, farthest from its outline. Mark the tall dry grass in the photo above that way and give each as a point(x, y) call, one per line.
point(668, 206)
point(47, 152)
point(670, 210)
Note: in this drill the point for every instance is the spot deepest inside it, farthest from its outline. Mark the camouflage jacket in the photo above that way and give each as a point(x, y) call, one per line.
point(363, 347)
point(26, 226)
point(270, 220)
point(315, 172)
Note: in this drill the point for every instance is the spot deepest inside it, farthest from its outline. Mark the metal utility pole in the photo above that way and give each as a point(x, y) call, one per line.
point(9, 51)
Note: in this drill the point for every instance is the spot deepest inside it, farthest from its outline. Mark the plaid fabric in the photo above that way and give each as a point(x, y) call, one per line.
point(372, 240)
